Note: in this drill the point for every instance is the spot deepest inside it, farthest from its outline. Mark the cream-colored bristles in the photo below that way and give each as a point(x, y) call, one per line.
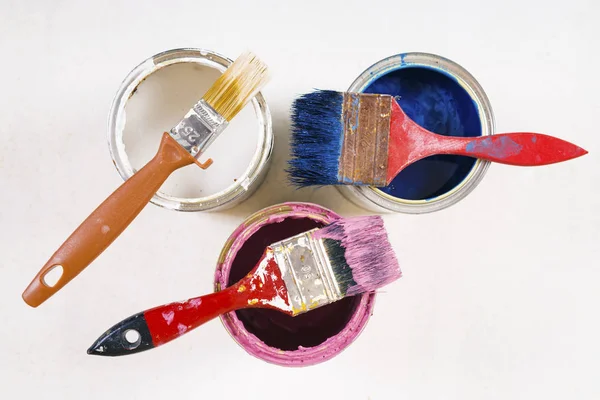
point(236, 87)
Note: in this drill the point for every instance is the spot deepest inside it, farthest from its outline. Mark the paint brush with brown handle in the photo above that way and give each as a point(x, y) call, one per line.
point(182, 146)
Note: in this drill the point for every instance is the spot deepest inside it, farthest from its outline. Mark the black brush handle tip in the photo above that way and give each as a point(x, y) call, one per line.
point(128, 336)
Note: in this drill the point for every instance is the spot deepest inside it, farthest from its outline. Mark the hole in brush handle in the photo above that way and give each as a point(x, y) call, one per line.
point(131, 339)
point(53, 275)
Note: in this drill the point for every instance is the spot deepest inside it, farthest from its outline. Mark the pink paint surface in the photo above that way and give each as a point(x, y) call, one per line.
point(252, 344)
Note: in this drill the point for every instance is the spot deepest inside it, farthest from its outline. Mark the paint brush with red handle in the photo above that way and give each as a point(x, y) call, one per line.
point(182, 146)
point(349, 257)
point(367, 139)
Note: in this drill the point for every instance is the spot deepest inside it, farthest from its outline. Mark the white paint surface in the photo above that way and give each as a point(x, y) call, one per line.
point(160, 101)
point(511, 314)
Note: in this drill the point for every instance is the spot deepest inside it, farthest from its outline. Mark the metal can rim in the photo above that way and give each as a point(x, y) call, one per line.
point(373, 198)
point(252, 344)
point(231, 195)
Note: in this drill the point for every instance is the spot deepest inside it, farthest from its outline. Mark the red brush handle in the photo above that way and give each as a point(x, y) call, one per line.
point(522, 148)
point(160, 325)
point(170, 321)
point(409, 142)
point(255, 290)
point(263, 287)
point(108, 221)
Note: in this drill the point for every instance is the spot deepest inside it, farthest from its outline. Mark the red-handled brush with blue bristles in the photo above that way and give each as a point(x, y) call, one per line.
point(367, 139)
point(351, 256)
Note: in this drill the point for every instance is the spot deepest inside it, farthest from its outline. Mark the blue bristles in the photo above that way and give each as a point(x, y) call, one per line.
point(317, 137)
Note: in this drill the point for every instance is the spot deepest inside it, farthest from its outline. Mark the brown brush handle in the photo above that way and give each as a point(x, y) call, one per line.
point(107, 222)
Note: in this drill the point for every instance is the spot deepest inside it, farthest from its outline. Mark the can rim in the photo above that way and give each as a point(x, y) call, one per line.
point(252, 344)
point(229, 196)
point(376, 198)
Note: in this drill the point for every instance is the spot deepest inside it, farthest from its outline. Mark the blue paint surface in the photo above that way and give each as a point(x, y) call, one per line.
point(501, 147)
point(437, 102)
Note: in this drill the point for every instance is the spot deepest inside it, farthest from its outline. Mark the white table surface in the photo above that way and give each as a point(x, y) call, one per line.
point(499, 298)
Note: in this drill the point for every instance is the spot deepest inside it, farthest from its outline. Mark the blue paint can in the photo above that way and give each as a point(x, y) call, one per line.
point(443, 97)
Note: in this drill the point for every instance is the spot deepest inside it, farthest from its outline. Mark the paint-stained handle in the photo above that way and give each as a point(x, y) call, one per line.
point(523, 148)
point(160, 325)
point(107, 222)
point(409, 142)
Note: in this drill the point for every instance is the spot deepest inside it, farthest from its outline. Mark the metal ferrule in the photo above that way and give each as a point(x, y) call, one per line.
point(307, 272)
point(366, 123)
point(199, 128)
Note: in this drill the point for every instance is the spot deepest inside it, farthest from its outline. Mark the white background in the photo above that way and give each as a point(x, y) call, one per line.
point(499, 298)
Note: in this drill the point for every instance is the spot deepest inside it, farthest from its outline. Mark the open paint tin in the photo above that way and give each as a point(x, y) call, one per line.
point(270, 335)
point(154, 97)
point(444, 98)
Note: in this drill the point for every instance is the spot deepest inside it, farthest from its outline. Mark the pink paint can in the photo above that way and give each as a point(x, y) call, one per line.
point(270, 335)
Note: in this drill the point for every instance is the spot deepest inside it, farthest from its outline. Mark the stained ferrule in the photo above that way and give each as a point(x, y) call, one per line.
point(307, 272)
point(199, 128)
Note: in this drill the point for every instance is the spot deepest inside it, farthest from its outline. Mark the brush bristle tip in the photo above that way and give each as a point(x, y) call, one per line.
point(360, 253)
point(237, 86)
point(316, 140)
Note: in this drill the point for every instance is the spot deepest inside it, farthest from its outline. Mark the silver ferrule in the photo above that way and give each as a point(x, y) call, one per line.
point(199, 128)
point(307, 272)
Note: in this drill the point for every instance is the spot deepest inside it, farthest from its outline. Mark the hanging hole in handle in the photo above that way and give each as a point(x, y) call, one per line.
point(131, 339)
point(53, 275)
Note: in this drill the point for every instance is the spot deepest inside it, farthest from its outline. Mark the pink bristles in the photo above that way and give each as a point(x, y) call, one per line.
point(360, 253)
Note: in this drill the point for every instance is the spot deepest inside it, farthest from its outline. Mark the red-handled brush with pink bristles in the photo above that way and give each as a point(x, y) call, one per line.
point(349, 257)
point(367, 139)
